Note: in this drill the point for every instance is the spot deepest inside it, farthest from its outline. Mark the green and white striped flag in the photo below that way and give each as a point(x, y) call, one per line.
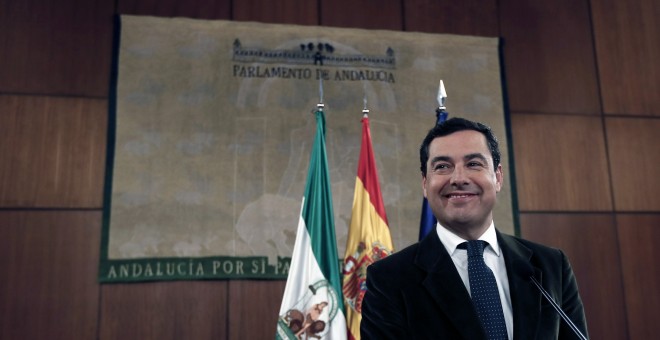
point(312, 305)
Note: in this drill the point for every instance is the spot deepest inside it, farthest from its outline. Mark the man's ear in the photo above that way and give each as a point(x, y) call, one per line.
point(424, 185)
point(499, 178)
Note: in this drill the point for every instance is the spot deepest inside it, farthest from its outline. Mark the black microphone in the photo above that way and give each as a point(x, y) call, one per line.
point(561, 313)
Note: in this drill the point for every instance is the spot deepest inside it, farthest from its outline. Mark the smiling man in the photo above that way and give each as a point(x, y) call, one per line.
point(461, 182)
point(467, 280)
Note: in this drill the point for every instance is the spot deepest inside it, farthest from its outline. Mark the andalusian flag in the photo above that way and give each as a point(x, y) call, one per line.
point(312, 305)
point(368, 237)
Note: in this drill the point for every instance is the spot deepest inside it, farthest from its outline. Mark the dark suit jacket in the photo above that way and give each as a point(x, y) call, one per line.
point(417, 293)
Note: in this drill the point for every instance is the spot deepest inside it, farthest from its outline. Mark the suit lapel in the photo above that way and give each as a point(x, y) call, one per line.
point(525, 297)
point(444, 284)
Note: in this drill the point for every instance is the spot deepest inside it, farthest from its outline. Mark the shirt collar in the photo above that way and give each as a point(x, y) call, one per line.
point(451, 240)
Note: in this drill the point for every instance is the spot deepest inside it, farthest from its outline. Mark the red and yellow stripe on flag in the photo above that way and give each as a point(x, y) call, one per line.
point(368, 236)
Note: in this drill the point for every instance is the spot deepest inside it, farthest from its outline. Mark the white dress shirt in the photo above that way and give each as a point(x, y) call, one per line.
point(494, 260)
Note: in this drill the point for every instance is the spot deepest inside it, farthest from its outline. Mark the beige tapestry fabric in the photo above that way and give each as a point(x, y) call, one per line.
point(213, 125)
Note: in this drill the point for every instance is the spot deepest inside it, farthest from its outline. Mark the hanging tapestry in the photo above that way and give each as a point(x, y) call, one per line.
point(212, 123)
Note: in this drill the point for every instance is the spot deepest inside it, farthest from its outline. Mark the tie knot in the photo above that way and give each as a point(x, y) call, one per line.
point(474, 247)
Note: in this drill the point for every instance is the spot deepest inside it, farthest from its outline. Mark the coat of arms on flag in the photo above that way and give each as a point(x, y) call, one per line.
point(355, 272)
point(310, 316)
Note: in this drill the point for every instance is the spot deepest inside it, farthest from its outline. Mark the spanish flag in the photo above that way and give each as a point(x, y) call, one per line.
point(368, 236)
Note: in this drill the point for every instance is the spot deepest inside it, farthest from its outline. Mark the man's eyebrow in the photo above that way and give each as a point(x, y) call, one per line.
point(476, 155)
point(440, 159)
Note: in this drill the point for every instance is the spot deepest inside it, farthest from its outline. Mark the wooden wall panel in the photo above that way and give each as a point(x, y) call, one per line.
point(56, 47)
point(48, 268)
point(627, 35)
point(560, 162)
point(634, 146)
point(470, 17)
point(639, 237)
point(300, 12)
point(254, 308)
point(590, 242)
point(52, 151)
point(164, 310)
point(548, 56)
point(381, 14)
point(200, 9)
point(52, 154)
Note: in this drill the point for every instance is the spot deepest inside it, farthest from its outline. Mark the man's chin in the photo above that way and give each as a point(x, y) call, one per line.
point(462, 221)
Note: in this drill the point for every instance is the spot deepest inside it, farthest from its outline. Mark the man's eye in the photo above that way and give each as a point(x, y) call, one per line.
point(441, 167)
point(475, 164)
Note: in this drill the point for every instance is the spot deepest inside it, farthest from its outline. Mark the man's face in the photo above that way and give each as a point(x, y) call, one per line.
point(461, 183)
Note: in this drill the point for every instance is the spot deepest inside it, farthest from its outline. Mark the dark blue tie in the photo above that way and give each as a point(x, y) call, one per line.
point(483, 289)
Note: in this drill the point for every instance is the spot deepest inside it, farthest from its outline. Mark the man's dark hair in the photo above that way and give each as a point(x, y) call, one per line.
point(454, 125)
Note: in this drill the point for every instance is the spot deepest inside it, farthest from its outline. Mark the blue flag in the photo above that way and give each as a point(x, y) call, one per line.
point(427, 221)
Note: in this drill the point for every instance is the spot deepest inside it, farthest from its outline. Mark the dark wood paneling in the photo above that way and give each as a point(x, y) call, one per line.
point(52, 151)
point(590, 242)
point(164, 310)
point(634, 147)
point(301, 12)
point(56, 47)
point(627, 35)
point(470, 17)
point(549, 56)
point(52, 154)
point(561, 163)
point(201, 9)
point(49, 263)
point(381, 14)
point(639, 237)
point(254, 308)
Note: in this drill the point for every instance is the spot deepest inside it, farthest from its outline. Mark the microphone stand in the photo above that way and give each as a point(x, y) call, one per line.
point(558, 309)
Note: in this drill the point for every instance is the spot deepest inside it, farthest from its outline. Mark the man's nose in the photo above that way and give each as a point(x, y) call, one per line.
point(459, 176)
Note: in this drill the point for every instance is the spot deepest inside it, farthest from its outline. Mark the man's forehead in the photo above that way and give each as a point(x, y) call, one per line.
point(466, 141)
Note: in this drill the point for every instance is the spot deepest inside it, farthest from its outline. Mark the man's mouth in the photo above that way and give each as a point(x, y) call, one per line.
point(459, 195)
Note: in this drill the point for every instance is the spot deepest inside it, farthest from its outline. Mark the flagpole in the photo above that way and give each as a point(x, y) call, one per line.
point(427, 220)
point(320, 104)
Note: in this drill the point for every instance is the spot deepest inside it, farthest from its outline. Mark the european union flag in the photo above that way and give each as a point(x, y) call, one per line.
point(427, 221)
